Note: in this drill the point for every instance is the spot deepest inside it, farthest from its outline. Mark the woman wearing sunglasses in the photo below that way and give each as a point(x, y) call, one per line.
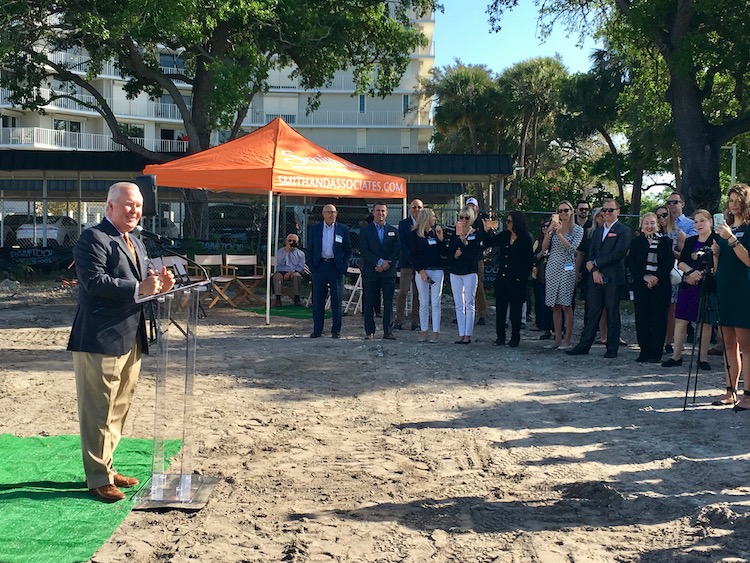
point(463, 254)
point(668, 228)
point(429, 253)
point(514, 260)
point(562, 240)
point(650, 261)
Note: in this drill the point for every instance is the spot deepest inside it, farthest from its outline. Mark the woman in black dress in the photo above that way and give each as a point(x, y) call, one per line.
point(515, 259)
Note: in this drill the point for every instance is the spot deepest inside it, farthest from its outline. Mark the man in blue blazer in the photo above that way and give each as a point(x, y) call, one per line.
point(607, 252)
point(379, 249)
point(109, 333)
point(329, 250)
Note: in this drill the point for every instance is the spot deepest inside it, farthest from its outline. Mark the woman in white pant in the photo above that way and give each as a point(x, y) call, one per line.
point(428, 253)
point(463, 253)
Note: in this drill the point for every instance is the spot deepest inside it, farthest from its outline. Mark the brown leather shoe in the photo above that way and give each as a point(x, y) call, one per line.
point(108, 493)
point(123, 481)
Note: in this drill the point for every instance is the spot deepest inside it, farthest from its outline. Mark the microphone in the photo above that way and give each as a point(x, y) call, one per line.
point(143, 233)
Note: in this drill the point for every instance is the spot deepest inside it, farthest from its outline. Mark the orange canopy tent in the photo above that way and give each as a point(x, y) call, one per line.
point(276, 159)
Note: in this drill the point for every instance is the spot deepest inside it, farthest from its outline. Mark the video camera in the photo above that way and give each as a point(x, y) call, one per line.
point(704, 256)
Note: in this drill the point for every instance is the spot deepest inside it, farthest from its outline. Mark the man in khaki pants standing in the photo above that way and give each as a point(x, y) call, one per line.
point(406, 280)
point(109, 333)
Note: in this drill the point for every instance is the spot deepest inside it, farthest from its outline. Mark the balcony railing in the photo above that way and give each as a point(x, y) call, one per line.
point(37, 137)
point(336, 119)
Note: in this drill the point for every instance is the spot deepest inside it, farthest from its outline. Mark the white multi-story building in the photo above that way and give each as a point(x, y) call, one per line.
point(344, 122)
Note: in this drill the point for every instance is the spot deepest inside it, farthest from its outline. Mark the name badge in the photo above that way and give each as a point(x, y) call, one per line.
point(471, 237)
point(739, 234)
point(569, 267)
point(338, 238)
point(611, 234)
point(431, 241)
point(391, 234)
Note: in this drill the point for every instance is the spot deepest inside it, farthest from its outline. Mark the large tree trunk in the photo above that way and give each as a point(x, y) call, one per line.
point(635, 198)
point(699, 147)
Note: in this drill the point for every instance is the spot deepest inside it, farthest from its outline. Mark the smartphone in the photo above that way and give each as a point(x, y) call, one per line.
point(556, 217)
point(719, 219)
point(460, 228)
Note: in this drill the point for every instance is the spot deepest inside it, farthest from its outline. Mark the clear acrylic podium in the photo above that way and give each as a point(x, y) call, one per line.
point(175, 313)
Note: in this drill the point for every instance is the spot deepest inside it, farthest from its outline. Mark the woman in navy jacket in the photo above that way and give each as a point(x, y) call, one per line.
point(464, 251)
point(428, 254)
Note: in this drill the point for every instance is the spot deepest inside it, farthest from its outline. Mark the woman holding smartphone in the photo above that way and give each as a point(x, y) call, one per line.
point(732, 264)
point(428, 253)
point(650, 261)
point(694, 267)
point(562, 240)
point(668, 228)
point(463, 254)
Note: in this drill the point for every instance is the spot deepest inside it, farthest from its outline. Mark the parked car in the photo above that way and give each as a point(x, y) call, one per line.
point(62, 231)
point(10, 224)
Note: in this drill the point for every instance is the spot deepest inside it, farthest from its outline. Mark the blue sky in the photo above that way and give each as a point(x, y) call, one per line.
point(462, 32)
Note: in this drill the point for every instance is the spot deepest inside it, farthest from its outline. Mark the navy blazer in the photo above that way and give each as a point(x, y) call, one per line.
point(372, 250)
point(342, 247)
point(405, 227)
point(610, 253)
point(108, 320)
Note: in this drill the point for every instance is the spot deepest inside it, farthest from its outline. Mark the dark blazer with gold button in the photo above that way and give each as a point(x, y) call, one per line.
point(108, 320)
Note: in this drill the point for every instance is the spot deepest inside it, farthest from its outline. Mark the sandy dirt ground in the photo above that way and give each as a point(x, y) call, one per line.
point(395, 451)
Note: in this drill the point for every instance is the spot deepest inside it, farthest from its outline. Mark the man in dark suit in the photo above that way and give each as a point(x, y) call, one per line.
point(109, 333)
point(379, 249)
point(406, 281)
point(606, 263)
point(329, 250)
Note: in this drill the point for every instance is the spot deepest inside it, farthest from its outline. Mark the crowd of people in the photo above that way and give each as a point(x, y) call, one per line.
point(681, 273)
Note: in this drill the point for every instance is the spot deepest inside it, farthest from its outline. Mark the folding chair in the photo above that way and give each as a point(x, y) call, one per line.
point(247, 275)
point(220, 284)
point(181, 277)
point(355, 290)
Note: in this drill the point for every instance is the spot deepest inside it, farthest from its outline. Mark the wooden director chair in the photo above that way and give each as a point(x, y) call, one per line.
point(246, 275)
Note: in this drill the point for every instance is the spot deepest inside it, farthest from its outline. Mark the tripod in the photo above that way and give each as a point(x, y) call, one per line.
point(707, 303)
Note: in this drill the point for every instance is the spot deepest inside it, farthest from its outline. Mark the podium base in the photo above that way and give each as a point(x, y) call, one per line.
point(170, 492)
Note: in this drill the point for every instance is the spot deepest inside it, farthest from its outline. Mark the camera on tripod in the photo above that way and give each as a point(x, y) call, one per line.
point(704, 256)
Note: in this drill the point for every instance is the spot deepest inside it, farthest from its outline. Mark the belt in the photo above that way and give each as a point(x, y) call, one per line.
point(327, 259)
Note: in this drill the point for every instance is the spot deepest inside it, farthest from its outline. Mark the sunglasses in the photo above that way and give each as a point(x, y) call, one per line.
point(462, 217)
point(673, 202)
point(608, 209)
point(583, 209)
point(416, 207)
point(563, 210)
point(662, 215)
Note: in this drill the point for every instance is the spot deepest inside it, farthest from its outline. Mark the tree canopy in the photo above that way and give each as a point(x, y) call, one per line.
point(223, 49)
point(704, 45)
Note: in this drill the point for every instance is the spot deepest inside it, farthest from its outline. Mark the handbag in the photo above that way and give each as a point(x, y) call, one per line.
point(675, 274)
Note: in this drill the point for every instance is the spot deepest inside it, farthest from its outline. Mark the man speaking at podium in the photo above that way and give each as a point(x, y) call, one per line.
point(109, 333)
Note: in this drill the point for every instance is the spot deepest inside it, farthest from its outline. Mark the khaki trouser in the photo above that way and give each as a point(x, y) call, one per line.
point(405, 282)
point(105, 386)
point(278, 282)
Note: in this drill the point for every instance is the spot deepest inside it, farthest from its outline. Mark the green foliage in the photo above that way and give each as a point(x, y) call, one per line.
point(227, 48)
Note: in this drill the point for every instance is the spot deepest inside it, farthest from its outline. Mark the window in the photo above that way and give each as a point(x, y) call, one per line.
point(65, 125)
point(8, 121)
point(361, 103)
point(405, 103)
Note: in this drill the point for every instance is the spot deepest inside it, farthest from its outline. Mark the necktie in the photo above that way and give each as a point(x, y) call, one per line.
point(130, 245)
